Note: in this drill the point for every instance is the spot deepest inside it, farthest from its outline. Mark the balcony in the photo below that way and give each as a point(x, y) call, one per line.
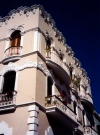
point(86, 99)
point(7, 102)
point(58, 66)
point(74, 88)
point(12, 54)
point(56, 107)
point(88, 130)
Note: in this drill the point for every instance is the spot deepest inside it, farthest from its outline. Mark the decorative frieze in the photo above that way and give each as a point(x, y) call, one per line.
point(77, 62)
point(84, 73)
point(6, 18)
point(88, 80)
point(21, 9)
point(69, 51)
point(26, 11)
point(12, 13)
point(33, 9)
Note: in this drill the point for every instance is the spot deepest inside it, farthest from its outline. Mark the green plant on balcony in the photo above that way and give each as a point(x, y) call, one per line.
point(76, 81)
point(48, 101)
point(48, 52)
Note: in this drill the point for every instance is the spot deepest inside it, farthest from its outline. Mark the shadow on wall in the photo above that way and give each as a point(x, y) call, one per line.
point(57, 127)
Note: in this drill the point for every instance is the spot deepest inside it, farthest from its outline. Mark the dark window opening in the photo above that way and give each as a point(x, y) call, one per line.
point(49, 87)
point(64, 97)
point(74, 106)
point(15, 38)
point(71, 71)
point(9, 84)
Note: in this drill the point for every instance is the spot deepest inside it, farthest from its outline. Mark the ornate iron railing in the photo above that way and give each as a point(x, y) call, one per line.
point(6, 99)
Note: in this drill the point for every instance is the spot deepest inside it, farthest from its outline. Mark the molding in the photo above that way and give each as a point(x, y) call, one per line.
point(28, 64)
point(21, 27)
point(16, 27)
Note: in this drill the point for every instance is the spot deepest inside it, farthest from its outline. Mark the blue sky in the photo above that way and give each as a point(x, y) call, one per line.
point(79, 22)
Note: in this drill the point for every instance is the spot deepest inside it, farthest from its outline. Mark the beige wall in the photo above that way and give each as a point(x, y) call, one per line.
point(17, 120)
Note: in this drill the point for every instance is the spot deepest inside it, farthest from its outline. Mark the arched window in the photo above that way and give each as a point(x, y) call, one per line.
point(9, 84)
point(14, 45)
point(49, 86)
point(15, 38)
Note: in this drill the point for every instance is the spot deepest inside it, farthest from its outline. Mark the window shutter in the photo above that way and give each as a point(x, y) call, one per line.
point(12, 42)
point(18, 41)
point(1, 83)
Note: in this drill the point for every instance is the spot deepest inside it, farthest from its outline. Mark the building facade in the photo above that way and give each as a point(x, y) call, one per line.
point(43, 89)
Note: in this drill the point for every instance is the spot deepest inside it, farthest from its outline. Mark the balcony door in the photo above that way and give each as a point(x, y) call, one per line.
point(15, 38)
point(9, 84)
point(14, 43)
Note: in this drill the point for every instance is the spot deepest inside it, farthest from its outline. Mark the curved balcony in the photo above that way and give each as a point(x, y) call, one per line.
point(7, 102)
point(12, 53)
point(57, 108)
point(86, 99)
point(58, 66)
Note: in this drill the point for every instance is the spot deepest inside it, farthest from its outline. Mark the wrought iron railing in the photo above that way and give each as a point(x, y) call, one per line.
point(6, 99)
point(12, 51)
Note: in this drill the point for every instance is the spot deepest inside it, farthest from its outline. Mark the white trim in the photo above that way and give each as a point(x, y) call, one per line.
point(1, 83)
point(32, 133)
point(53, 89)
point(4, 129)
point(16, 82)
point(7, 44)
point(46, 86)
point(36, 41)
point(39, 41)
point(21, 42)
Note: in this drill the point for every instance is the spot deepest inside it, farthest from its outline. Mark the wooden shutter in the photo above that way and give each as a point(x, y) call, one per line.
point(12, 42)
point(1, 83)
point(18, 41)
